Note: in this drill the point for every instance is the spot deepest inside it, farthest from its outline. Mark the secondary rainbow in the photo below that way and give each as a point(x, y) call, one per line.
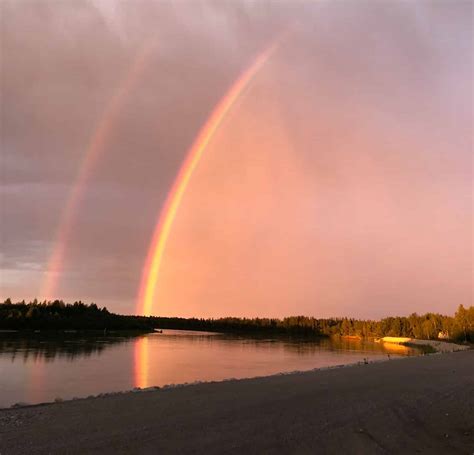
point(98, 143)
point(151, 269)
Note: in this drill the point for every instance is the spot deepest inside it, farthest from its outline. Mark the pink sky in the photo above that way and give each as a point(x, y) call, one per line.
point(340, 183)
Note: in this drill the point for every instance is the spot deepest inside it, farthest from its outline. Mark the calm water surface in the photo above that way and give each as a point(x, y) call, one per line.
point(40, 369)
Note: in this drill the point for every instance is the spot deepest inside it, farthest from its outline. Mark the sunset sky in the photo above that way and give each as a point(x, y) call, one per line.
point(337, 183)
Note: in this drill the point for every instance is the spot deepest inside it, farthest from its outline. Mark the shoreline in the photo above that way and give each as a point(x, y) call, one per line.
point(182, 385)
point(434, 346)
point(438, 346)
point(369, 406)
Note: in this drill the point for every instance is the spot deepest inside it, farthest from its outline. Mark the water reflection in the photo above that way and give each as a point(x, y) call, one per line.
point(141, 363)
point(212, 356)
point(41, 368)
point(37, 347)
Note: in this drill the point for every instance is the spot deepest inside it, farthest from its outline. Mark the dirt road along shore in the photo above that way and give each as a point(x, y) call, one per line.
point(411, 405)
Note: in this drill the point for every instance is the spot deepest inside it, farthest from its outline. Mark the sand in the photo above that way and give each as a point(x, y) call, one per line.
point(411, 405)
point(437, 345)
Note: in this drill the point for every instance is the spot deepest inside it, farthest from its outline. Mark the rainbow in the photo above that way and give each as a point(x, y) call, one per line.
point(98, 143)
point(168, 213)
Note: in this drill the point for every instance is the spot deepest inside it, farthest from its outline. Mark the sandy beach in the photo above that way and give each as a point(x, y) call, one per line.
point(411, 405)
point(437, 345)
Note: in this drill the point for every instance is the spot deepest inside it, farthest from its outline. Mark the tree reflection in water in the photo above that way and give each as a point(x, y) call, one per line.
point(47, 346)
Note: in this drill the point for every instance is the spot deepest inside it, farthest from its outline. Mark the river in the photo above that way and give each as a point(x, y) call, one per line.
point(44, 368)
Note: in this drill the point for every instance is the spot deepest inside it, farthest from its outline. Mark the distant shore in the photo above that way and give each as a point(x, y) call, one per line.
point(416, 404)
point(59, 315)
point(435, 345)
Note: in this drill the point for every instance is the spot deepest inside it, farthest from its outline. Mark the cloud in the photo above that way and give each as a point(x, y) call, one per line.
point(373, 100)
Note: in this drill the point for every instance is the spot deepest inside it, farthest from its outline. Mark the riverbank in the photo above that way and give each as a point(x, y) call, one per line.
point(417, 404)
point(438, 346)
point(435, 345)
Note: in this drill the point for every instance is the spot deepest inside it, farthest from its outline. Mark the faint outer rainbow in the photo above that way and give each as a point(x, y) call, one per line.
point(167, 215)
point(97, 146)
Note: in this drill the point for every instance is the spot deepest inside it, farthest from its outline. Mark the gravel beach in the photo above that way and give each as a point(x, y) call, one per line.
point(411, 405)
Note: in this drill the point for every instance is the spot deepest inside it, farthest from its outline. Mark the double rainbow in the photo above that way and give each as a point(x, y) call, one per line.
point(98, 145)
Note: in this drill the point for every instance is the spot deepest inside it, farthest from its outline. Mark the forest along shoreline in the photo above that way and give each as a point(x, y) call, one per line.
point(60, 316)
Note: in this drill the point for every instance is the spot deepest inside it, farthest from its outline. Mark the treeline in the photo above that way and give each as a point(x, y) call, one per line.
point(427, 326)
point(57, 315)
point(296, 325)
point(79, 316)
